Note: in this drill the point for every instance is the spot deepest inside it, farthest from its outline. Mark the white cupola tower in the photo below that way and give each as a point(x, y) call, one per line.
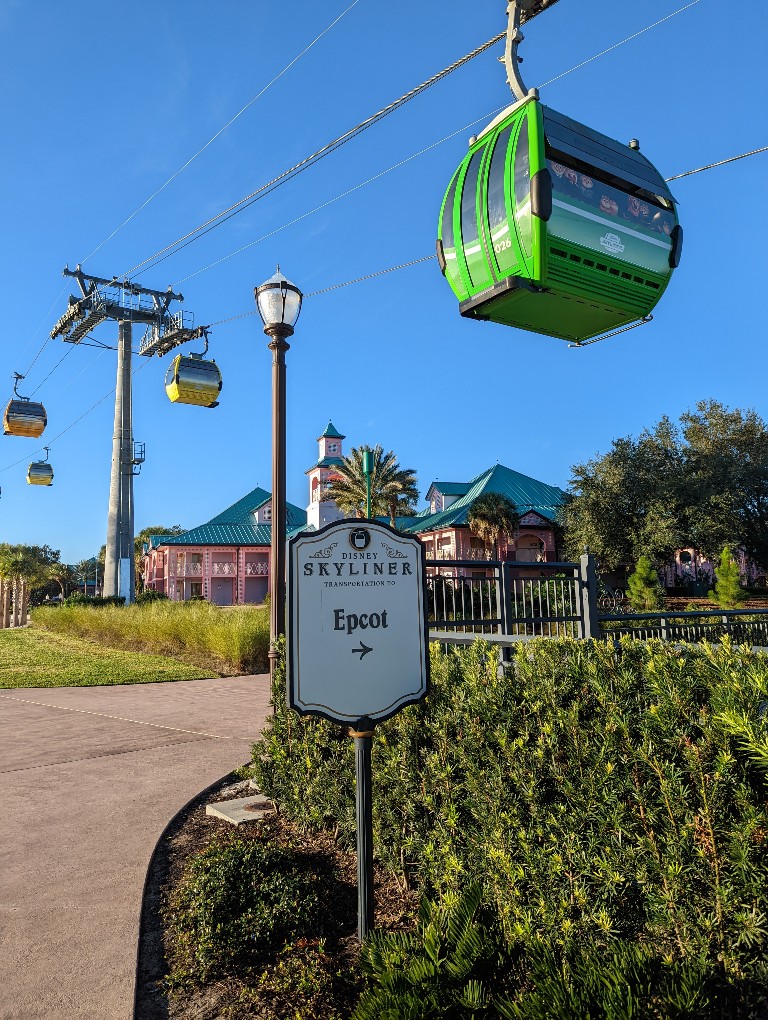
point(329, 455)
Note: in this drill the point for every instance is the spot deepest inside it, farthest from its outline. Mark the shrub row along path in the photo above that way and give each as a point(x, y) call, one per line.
point(89, 778)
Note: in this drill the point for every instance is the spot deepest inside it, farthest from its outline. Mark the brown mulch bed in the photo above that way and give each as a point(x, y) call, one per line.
point(313, 977)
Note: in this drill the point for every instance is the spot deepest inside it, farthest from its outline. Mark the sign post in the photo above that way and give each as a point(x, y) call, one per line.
point(357, 646)
point(364, 818)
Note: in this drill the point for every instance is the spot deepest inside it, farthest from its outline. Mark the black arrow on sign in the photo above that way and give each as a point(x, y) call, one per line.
point(363, 649)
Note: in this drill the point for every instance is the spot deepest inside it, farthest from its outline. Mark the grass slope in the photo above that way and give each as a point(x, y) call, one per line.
point(32, 658)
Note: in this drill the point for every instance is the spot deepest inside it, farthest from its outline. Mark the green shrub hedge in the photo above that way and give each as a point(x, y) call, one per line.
point(234, 639)
point(236, 899)
point(459, 963)
point(601, 797)
point(97, 601)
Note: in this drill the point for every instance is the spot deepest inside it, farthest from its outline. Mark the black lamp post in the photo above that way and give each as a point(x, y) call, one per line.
point(279, 304)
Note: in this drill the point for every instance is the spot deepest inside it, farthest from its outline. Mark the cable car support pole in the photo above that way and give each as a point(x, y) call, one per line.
point(119, 566)
point(105, 299)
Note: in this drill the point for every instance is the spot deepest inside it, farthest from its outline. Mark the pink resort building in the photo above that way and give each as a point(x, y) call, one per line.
point(226, 560)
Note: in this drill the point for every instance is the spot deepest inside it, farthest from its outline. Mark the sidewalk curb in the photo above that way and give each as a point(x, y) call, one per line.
point(150, 867)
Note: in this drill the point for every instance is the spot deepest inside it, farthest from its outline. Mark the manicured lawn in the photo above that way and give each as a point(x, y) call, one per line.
point(33, 658)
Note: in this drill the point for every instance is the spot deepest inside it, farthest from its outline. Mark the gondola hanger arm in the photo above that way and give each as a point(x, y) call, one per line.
point(17, 377)
point(519, 12)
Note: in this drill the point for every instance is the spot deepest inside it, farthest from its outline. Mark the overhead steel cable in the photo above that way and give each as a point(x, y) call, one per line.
point(338, 286)
point(72, 424)
point(276, 182)
point(370, 276)
point(615, 46)
point(65, 356)
point(254, 196)
point(335, 286)
point(179, 171)
point(298, 168)
point(711, 166)
point(221, 130)
point(331, 201)
point(45, 342)
point(421, 152)
point(429, 258)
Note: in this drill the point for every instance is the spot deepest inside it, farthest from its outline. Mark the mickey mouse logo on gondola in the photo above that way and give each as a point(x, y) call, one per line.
point(360, 538)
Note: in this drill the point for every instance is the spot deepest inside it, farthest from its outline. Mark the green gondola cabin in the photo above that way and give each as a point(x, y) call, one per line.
point(555, 228)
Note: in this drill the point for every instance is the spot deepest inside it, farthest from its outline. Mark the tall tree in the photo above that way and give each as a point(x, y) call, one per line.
point(625, 504)
point(702, 483)
point(727, 478)
point(394, 490)
point(491, 516)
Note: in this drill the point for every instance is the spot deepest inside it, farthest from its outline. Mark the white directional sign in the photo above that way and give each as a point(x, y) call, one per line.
point(357, 629)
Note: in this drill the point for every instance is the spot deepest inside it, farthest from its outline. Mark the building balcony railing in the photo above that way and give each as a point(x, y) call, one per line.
point(190, 570)
point(218, 569)
point(259, 569)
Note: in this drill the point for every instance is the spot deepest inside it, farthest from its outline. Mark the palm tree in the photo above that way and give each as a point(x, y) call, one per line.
point(63, 575)
point(83, 569)
point(6, 581)
point(393, 489)
point(490, 516)
point(22, 568)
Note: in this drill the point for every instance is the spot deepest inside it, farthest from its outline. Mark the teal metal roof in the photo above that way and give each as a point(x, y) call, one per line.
point(331, 433)
point(236, 526)
point(326, 462)
point(224, 534)
point(154, 541)
point(526, 493)
point(451, 488)
point(240, 512)
point(401, 523)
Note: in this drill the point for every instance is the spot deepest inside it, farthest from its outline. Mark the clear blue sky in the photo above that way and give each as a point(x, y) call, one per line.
point(102, 104)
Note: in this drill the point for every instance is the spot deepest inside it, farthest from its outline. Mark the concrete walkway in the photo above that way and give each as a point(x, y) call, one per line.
point(89, 777)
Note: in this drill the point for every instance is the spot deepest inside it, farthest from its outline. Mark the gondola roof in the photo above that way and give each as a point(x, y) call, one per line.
point(617, 161)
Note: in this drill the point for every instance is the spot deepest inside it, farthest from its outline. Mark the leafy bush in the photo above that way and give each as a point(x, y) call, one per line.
point(95, 601)
point(232, 639)
point(150, 595)
point(457, 963)
point(599, 797)
point(644, 590)
point(235, 901)
point(728, 593)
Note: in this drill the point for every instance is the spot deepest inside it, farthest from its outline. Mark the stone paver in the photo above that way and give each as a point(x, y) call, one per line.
point(242, 810)
point(89, 777)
